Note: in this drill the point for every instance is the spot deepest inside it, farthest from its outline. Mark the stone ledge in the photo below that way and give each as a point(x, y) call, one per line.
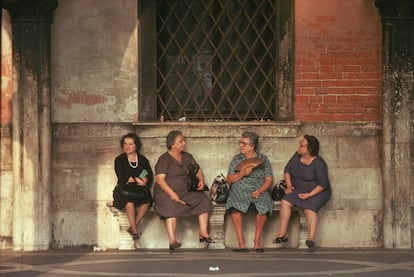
point(217, 218)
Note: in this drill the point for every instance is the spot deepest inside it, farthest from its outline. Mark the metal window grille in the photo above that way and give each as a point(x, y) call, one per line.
point(216, 60)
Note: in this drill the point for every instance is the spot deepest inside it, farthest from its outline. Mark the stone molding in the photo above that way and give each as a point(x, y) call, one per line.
point(396, 9)
point(22, 11)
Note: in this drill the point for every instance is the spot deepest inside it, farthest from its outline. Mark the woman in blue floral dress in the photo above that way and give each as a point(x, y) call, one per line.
point(249, 189)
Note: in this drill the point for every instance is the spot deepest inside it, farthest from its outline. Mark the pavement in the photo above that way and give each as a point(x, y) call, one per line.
point(208, 262)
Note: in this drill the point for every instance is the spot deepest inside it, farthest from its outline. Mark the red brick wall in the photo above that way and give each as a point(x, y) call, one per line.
point(338, 60)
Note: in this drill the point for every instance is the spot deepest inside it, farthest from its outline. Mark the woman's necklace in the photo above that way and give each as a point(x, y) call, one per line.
point(136, 163)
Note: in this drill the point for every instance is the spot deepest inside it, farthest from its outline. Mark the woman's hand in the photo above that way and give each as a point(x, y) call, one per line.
point(256, 194)
point(174, 197)
point(304, 196)
point(141, 181)
point(200, 186)
point(247, 171)
point(289, 189)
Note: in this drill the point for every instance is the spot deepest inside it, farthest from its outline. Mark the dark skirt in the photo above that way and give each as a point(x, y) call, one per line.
point(314, 203)
point(131, 192)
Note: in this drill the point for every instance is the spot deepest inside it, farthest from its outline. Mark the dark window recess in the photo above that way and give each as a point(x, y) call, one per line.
point(216, 60)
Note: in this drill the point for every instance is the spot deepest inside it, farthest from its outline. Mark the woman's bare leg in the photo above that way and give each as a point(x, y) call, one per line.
point(141, 212)
point(171, 226)
point(203, 223)
point(312, 219)
point(285, 213)
point(238, 225)
point(130, 211)
point(260, 222)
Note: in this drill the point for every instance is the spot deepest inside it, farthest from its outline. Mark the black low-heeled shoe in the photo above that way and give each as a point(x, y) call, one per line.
point(174, 246)
point(311, 245)
point(280, 240)
point(206, 239)
point(134, 236)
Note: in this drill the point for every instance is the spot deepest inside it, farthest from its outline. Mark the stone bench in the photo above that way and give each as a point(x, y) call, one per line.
point(217, 225)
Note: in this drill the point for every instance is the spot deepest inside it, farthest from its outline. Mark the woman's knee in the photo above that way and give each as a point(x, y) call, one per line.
point(286, 205)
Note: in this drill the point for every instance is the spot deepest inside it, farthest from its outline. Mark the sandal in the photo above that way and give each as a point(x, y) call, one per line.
point(280, 240)
point(134, 236)
point(206, 239)
point(311, 245)
point(174, 246)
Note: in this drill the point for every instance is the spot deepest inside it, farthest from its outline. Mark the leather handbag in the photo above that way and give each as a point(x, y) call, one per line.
point(138, 193)
point(219, 189)
point(192, 179)
point(278, 190)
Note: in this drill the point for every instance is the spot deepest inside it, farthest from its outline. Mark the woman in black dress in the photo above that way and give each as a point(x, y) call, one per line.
point(135, 177)
point(306, 176)
point(172, 198)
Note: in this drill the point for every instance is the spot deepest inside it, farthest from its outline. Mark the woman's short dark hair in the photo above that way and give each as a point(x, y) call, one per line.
point(171, 137)
point(137, 140)
point(313, 145)
point(253, 137)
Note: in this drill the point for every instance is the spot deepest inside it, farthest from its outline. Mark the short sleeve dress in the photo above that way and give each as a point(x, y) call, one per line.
point(176, 177)
point(304, 179)
point(240, 192)
point(123, 171)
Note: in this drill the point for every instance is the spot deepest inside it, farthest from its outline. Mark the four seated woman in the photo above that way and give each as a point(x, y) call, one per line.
point(250, 177)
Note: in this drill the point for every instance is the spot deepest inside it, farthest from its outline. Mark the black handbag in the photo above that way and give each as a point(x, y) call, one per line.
point(138, 193)
point(192, 179)
point(219, 189)
point(278, 190)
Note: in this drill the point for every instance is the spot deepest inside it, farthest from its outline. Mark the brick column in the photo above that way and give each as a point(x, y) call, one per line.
point(31, 122)
point(398, 121)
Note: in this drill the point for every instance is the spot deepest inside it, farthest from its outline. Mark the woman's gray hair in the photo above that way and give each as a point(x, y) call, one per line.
point(253, 137)
point(171, 138)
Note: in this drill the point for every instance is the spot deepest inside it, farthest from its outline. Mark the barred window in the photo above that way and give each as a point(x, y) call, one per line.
point(215, 60)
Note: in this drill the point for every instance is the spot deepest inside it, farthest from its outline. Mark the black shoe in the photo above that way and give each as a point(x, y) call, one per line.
point(206, 239)
point(134, 236)
point(174, 246)
point(280, 240)
point(311, 245)
point(259, 250)
point(240, 250)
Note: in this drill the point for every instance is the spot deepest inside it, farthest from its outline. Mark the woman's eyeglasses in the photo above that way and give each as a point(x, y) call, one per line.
point(302, 145)
point(242, 143)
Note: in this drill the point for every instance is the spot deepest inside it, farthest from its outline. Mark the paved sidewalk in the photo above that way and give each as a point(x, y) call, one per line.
point(184, 262)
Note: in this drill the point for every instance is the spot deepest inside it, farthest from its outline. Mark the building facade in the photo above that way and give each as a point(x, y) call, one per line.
point(77, 75)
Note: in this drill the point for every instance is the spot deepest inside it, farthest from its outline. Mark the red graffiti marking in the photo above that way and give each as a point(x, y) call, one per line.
point(80, 98)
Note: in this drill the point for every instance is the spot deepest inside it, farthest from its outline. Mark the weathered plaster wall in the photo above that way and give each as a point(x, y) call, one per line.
point(94, 61)
point(84, 179)
point(6, 173)
point(94, 83)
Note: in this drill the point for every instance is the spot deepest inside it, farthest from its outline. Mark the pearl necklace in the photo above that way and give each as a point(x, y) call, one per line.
point(136, 165)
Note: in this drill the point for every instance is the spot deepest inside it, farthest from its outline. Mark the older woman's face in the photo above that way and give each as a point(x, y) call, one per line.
point(129, 146)
point(179, 143)
point(246, 146)
point(303, 147)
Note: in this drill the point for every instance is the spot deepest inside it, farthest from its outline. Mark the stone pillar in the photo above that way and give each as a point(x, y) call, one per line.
point(398, 115)
point(31, 123)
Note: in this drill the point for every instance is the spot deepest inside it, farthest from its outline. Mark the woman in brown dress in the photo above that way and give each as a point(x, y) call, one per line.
point(172, 198)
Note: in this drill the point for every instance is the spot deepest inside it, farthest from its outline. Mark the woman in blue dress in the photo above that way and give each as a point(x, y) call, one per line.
point(249, 189)
point(307, 186)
